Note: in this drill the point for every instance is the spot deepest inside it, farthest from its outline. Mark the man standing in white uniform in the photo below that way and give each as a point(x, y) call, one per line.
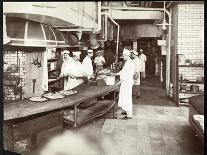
point(138, 65)
point(76, 71)
point(87, 64)
point(126, 77)
point(66, 69)
point(143, 59)
point(99, 61)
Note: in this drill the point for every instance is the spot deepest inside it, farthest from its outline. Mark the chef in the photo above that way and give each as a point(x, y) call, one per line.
point(138, 66)
point(76, 71)
point(143, 59)
point(87, 64)
point(99, 61)
point(126, 78)
point(66, 69)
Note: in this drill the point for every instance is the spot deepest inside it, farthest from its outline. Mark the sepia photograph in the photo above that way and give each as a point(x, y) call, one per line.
point(103, 77)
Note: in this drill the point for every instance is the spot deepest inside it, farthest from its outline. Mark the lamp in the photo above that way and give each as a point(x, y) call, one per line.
point(164, 23)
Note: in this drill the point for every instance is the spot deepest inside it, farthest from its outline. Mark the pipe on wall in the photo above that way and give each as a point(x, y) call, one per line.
point(118, 29)
point(168, 54)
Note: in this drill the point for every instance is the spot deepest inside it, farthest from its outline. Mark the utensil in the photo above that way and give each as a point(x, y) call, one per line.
point(34, 81)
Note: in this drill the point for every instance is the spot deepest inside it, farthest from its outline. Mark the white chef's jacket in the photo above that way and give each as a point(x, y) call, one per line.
point(67, 66)
point(77, 72)
point(143, 59)
point(98, 60)
point(71, 67)
point(87, 67)
point(138, 67)
point(125, 94)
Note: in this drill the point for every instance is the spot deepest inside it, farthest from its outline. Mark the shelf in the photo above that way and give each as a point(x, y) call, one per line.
point(52, 80)
point(53, 59)
point(190, 92)
point(193, 82)
point(96, 110)
point(52, 70)
point(184, 104)
point(190, 65)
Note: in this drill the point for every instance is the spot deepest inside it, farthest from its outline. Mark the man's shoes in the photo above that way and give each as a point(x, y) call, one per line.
point(124, 113)
point(137, 97)
point(126, 118)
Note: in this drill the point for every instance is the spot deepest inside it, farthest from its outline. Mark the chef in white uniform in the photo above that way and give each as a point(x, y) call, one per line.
point(138, 66)
point(76, 71)
point(66, 69)
point(87, 65)
point(143, 59)
point(125, 93)
point(99, 61)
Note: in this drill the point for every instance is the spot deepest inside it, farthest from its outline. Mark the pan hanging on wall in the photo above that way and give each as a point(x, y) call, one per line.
point(72, 39)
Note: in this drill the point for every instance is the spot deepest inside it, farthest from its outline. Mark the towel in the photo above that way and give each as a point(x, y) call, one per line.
point(45, 73)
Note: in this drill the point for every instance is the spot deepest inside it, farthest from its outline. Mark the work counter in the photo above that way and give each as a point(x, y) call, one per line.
point(26, 119)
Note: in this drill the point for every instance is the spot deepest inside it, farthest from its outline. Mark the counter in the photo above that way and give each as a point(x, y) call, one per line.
point(27, 119)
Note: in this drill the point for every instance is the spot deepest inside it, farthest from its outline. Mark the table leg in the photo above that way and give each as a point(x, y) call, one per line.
point(75, 116)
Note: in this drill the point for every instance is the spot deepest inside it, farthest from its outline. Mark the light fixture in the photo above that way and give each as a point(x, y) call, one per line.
point(164, 23)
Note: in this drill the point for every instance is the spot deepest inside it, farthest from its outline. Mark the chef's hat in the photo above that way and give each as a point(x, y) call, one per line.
point(77, 53)
point(135, 52)
point(66, 52)
point(90, 51)
point(126, 52)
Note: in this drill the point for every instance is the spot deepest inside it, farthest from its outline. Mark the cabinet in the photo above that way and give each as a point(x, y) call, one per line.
point(190, 80)
point(54, 66)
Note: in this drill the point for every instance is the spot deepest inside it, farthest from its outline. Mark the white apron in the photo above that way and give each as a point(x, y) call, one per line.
point(125, 94)
point(87, 66)
point(138, 67)
point(77, 71)
point(143, 59)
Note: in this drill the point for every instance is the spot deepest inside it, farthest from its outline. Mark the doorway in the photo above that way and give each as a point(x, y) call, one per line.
point(153, 64)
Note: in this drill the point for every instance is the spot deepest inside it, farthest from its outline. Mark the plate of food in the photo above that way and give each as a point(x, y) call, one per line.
point(68, 92)
point(37, 99)
point(53, 96)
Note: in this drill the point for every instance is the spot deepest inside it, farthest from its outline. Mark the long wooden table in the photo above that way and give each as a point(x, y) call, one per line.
point(25, 111)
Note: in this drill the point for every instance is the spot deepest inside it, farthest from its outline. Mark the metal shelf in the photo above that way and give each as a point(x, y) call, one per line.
point(190, 65)
point(190, 92)
point(192, 82)
point(52, 70)
point(52, 80)
point(53, 59)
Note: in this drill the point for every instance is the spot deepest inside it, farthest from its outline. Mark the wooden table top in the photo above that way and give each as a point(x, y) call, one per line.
point(26, 108)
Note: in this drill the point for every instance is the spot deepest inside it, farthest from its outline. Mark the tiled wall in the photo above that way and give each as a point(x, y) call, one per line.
point(10, 61)
point(190, 40)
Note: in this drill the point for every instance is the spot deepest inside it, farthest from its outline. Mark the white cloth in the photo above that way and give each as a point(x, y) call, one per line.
point(87, 66)
point(143, 59)
point(99, 60)
point(45, 73)
point(138, 67)
point(125, 94)
point(199, 119)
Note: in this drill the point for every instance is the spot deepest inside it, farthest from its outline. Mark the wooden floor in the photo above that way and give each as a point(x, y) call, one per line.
point(158, 127)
